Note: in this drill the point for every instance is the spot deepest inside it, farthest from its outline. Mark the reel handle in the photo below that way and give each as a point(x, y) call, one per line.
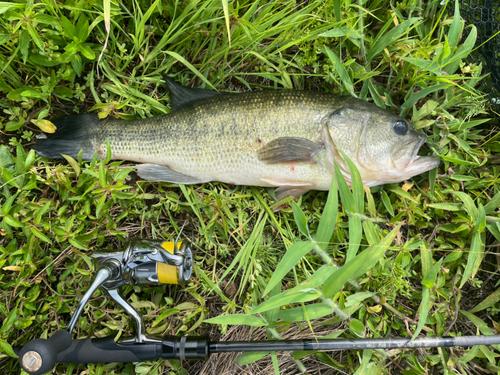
point(39, 356)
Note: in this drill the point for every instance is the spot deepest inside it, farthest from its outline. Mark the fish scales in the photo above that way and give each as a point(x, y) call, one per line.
point(288, 139)
point(218, 138)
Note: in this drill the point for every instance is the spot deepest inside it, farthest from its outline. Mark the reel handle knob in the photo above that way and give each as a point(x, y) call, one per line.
point(39, 356)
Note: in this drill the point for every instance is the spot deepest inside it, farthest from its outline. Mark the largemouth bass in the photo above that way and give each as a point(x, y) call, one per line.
point(286, 139)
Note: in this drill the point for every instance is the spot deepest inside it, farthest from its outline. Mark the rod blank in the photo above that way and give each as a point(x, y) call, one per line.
point(349, 344)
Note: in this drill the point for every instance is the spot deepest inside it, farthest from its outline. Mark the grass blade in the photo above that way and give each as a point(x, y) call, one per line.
point(225, 7)
point(390, 37)
point(340, 69)
point(328, 220)
point(487, 302)
point(290, 259)
point(286, 298)
point(358, 266)
point(176, 56)
point(475, 257)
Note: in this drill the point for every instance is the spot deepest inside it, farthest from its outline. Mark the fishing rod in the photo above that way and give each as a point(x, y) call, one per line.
point(153, 262)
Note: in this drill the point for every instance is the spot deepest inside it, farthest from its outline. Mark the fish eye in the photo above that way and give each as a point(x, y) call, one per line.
point(400, 127)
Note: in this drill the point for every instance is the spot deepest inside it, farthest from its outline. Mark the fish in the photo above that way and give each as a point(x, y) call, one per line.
point(287, 139)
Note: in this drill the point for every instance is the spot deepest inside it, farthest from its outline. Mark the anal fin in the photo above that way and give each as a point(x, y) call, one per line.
point(288, 187)
point(293, 191)
point(155, 172)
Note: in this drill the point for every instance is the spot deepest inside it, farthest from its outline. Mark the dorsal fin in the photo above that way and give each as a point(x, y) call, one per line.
point(180, 95)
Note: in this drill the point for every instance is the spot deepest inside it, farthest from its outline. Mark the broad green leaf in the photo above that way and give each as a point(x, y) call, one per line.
point(336, 33)
point(387, 202)
point(87, 51)
point(340, 69)
point(471, 354)
point(271, 316)
point(410, 102)
point(429, 279)
point(314, 311)
point(290, 259)
point(447, 206)
point(103, 181)
point(468, 203)
point(34, 35)
point(481, 219)
point(40, 235)
point(7, 348)
point(78, 244)
point(13, 222)
point(317, 279)
point(358, 266)
point(475, 257)
point(358, 297)
point(370, 232)
point(9, 321)
point(8, 204)
point(494, 230)
point(355, 234)
point(337, 6)
point(328, 219)
point(165, 314)
point(68, 28)
point(238, 319)
point(109, 153)
point(463, 52)
point(487, 302)
point(403, 194)
point(424, 311)
point(346, 196)
point(300, 219)
point(45, 125)
point(304, 295)
point(74, 164)
point(455, 27)
point(250, 357)
point(358, 191)
point(24, 42)
point(492, 205)
point(357, 327)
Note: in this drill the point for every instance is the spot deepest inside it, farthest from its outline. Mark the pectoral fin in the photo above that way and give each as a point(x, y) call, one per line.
point(154, 172)
point(289, 149)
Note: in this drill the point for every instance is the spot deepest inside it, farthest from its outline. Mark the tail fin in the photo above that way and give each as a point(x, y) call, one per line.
point(74, 133)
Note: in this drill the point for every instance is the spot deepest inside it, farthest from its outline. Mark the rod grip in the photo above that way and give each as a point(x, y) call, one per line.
point(106, 350)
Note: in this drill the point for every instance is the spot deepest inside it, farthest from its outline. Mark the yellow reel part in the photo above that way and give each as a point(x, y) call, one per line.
point(168, 274)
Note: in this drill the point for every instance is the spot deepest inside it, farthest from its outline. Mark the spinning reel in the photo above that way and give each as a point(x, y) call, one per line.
point(142, 262)
point(147, 262)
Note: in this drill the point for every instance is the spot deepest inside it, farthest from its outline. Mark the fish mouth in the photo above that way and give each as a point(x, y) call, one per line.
point(407, 160)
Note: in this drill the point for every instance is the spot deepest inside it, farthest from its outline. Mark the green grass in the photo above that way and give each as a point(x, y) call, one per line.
point(399, 260)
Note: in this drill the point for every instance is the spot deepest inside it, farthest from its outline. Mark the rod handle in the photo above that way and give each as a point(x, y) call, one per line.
point(40, 355)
